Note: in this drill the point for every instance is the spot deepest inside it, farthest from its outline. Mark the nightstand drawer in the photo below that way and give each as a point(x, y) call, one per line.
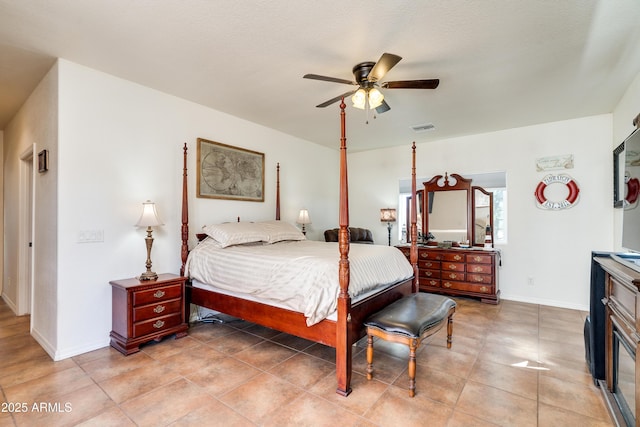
point(452, 266)
point(162, 308)
point(157, 294)
point(480, 268)
point(156, 325)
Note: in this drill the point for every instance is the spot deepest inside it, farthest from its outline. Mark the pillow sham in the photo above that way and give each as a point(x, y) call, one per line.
point(279, 231)
point(236, 233)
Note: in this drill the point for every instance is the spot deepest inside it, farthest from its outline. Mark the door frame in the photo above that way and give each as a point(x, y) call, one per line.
point(26, 209)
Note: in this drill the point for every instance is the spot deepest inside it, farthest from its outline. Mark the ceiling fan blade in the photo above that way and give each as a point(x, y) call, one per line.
point(328, 79)
point(412, 84)
point(382, 108)
point(336, 99)
point(386, 62)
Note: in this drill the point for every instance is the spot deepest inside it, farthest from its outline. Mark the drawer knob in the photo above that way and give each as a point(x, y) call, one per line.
point(159, 294)
point(452, 267)
point(428, 264)
point(477, 278)
point(159, 309)
point(433, 282)
point(447, 284)
point(453, 276)
point(483, 289)
point(457, 257)
point(158, 324)
point(428, 273)
point(477, 269)
point(424, 255)
point(477, 258)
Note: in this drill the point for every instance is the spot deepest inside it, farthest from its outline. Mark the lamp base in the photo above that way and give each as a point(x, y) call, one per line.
point(148, 275)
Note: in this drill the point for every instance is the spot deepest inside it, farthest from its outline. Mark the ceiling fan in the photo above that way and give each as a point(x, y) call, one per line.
point(367, 78)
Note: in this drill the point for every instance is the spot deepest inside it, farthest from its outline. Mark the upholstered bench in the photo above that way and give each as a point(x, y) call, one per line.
point(410, 320)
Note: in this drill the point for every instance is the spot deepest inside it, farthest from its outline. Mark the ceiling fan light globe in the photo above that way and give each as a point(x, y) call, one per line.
point(375, 98)
point(359, 98)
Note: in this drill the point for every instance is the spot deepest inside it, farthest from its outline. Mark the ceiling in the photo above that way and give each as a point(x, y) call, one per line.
point(501, 63)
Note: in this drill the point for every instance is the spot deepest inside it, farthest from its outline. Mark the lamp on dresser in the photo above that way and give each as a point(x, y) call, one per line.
point(303, 219)
point(389, 216)
point(149, 218)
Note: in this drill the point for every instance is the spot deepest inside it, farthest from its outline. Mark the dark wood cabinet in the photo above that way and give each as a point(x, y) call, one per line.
point(622, 341)
point(465, 272)
point(147, 310)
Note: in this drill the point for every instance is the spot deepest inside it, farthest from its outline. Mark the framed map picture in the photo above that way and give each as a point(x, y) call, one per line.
point(227, 172)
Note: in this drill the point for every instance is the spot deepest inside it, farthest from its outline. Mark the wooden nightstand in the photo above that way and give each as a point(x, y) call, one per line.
point(146, 310)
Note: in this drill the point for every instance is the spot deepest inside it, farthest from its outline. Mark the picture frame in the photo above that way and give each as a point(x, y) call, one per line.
point(43, 161)
point(618, 176)
point(228, 172)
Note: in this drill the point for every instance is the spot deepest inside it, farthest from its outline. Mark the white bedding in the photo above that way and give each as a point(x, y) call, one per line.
point(298, 275)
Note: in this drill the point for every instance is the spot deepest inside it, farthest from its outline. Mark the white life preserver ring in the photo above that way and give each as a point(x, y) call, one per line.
point(568, 202)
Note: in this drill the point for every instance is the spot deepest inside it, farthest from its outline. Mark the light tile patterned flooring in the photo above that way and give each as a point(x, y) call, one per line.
point(513, 364)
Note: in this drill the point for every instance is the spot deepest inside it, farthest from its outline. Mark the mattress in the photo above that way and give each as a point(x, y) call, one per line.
point(296, 275)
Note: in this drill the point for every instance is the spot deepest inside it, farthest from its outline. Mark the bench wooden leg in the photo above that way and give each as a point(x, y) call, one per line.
point(369, 357)
point(412, 367)
point(449, 330)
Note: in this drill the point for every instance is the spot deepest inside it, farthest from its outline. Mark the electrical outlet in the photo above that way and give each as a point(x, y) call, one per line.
point(530, 281)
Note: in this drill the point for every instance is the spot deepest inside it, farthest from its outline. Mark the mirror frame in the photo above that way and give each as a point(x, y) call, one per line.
point(490, 195)
point(461, 184)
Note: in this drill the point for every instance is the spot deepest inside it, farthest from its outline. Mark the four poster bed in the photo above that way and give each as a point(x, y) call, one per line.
point(340, 325)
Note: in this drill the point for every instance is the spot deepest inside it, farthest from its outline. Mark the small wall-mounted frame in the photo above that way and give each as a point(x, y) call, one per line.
point(618, 176)
point(43, 161)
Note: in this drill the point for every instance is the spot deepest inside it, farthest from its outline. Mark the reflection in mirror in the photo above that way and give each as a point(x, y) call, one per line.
point(448, 216)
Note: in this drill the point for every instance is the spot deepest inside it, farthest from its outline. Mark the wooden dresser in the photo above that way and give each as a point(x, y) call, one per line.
point(622, 341)
point(147, 310)
point(465, 272)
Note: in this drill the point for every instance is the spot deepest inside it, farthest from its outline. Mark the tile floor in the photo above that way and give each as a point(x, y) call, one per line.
point(510, 365)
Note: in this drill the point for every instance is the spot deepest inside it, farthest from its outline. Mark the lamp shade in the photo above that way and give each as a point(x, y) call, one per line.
point(359, 99)
point(149, 217)
point(388, 215)
point(375, 98)
point(303, 217)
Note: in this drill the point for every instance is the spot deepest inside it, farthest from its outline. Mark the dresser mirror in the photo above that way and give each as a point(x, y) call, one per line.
point(448, 206)
point(456, 211)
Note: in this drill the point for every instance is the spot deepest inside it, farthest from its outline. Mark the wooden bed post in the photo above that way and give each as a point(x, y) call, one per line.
point(413, 254)
point(343, 327)
point(184, 252)
point(278, 191)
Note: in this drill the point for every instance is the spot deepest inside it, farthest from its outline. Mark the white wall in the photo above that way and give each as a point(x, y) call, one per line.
point(552, 247)
point(119, 144)
point(32, 129)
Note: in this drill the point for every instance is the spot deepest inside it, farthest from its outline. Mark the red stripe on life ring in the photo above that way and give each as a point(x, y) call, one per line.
point(573, 192)
point(540, 192)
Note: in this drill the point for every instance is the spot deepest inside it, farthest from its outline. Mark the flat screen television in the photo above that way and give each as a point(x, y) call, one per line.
point(627, 177)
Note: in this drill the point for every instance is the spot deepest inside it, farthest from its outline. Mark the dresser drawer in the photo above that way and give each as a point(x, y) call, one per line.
point(480, 268)
point(479, 258)
point(406, 252)
point(157, 294)
point(436, 283)
point(156, 325)
point(453, 275)
point(159, 309)
point(433, 265)
point(452, 266)
point(624, 299)
point(427, 254)
point(468, 287)
point(480, 278)
point(453, 256)
point(429, 274)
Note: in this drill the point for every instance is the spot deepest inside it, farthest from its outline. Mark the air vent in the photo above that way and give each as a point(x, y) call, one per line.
point(423, 127)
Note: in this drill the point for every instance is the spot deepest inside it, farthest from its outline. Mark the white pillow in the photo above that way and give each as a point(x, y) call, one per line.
point(281, 230)
point(236, 233)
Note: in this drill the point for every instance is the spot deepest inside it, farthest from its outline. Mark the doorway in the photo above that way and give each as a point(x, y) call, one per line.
point(25, 233)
